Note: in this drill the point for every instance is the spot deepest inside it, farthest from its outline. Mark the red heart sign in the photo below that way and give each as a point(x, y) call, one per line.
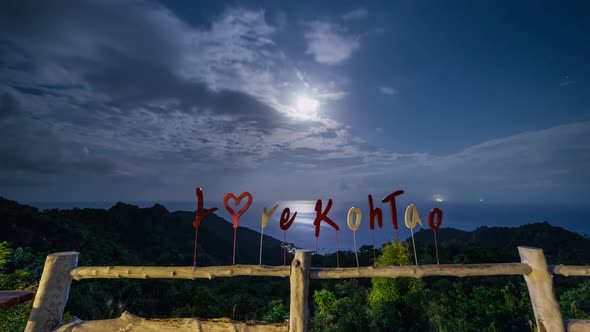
point(236, 216)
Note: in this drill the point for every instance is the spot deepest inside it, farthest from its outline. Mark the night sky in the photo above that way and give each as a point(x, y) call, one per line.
point(475, 102)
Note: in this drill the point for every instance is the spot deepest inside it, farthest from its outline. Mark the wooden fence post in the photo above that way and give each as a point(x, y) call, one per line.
point(540, 285)
point(52, 295)
point(299, 306)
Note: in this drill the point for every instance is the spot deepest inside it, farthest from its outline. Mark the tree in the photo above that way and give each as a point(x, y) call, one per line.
point(277, 312)
point(326, 307)
point(343, 309)
point(397, 303)
point(4, 252)
point(483, 308)
point(575, 302)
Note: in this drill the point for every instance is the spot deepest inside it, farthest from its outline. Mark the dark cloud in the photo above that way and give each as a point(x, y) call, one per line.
point(29, 146)
point(103, 92)
point(52, 29)
point(131, 83)
point(51, 163)
point(9, 105)
point(126, 52)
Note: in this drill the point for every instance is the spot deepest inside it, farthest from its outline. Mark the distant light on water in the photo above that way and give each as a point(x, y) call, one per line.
point(439, 198)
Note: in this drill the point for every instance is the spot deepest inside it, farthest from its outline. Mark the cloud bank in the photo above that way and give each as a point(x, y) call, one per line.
point(96, 104)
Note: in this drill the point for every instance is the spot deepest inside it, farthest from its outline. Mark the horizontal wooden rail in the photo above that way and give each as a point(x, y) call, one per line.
point(419, 271)
point(571, 270)
point(11, 298)
point(577, 325)
point(61, 268)
point(175, 272)
point(129, 322)
point(210, 272)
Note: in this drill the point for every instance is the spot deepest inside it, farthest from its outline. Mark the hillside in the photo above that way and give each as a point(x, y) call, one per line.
point(127, 234)
point(560, 245)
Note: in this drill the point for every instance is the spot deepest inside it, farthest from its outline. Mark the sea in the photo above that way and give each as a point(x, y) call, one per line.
point(302, 232)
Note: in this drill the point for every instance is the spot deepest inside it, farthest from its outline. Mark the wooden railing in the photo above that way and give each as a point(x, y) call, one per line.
point(61, 268)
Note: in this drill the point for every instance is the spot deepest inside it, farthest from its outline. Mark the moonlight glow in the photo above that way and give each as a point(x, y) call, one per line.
point(306, 107)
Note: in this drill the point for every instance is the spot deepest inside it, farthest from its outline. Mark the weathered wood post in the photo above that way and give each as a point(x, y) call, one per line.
point(540, 285)
point(299, 307)
point(52, 295)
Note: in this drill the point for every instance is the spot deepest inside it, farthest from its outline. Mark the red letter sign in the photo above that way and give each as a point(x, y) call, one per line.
point(285, 222)
point(319, 216)
point(391, 199)
point(435, 225)
point(236, 216)
point(374, 212)
point(201, 213)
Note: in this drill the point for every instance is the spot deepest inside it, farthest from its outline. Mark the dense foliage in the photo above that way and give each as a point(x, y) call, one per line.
point(19, 270)
point(128, 235)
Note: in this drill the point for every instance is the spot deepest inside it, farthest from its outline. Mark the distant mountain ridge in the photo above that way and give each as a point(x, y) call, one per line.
point(127, 234)
point(560, 245)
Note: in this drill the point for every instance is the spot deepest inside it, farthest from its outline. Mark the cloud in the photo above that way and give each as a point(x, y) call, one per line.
point(301, 77)
point(90, 96)
point(387, 90)
point(567, 82)
point(330, 43)
point(524, 168)
point(356, 14)
point(95, 105)
point(548, 166)
point(324, 92)
point(528, 165)
point(332, 95)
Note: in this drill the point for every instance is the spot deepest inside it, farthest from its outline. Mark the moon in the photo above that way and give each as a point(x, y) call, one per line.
point(306, 107)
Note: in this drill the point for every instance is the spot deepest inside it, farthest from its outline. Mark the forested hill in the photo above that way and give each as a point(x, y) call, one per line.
point(500, 243)
point(129, 235)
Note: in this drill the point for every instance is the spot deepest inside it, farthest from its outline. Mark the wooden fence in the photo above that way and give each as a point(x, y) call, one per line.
point(61, 268)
